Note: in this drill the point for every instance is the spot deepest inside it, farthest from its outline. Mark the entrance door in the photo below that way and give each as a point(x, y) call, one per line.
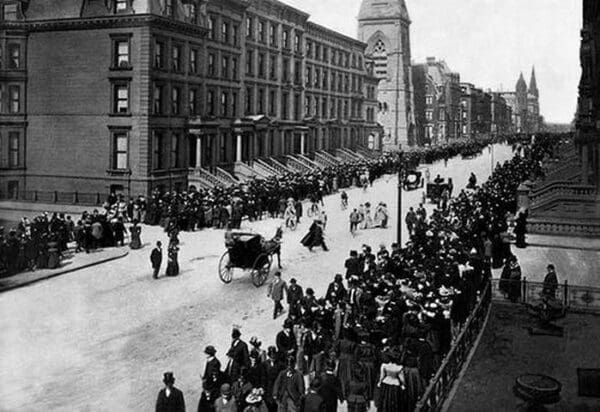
point(13, 189)
point(192, 145)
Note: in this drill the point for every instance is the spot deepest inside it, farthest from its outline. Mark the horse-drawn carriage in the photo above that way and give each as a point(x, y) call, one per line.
point(249, 252)
point(413, 180)
point(435, 190)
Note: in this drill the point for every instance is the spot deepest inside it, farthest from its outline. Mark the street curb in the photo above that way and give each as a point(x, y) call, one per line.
point(69, 270)
point(547, 246)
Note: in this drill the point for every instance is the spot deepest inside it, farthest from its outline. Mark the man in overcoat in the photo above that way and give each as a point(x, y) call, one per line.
point(170, 399)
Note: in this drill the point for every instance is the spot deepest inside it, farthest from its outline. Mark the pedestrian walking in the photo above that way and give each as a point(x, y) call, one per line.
point(276, 292)
point(156, 259)
point(170, 399)
point(136, 231)
point(226, 402)
point(289, 388)
point(354, 221)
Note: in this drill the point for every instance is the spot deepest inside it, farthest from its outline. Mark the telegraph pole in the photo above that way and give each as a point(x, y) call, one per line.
point(400, 181)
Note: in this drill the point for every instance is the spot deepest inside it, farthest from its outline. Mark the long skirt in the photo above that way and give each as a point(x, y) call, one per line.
point(345, 373)
point(414, 386)
point(370, 377)
point(392, 399)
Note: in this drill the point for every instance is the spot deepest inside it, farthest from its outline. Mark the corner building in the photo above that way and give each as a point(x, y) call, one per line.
point(385, 26)
point(134, 95)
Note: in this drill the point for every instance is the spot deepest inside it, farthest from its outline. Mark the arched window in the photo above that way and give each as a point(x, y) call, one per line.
point(381, 59)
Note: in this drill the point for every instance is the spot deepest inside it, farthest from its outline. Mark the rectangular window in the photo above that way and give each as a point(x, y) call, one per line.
point(249, 62)
point(307, 106)
point(225, 67)
point(308, 76)
point(212, 28)
point(121, 5)
point(297, 43)
point(261, 101)
point(10, 12)
point(286, 70)
point(429, 100)
point(159, 54)
point(193, 61)
point(120, 98)
point(224, 103)
point(193, 102)
point(157, 150)
point(442, 115)
point(261, 65)
point(234, 100)
point(286, 39)
point(225, 32)
point(120, 149)
point(249, 97)
point(272, 103)
point(223, 147)
point(169, 8)
point(309, 49)
point(158, 99)
point(175, 100)
point(285, 99)
point(317, 82)
point(121, 53)
point(211, 65)
point(273, 35)
point(298, 72)
point(13, 149)
point(235, 35)
point(176, 58)
point(249, 27)
point(234, 68)
point(210, 102)
point(174, 150)
point(324, 107)
point(429, 115)
point(273, 68)
point(262, 31)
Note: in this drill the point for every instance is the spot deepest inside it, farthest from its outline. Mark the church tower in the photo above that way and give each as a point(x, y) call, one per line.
point(384, 26)
point(533, 89)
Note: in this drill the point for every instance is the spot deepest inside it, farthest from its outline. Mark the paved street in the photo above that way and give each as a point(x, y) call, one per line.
point(99, 339)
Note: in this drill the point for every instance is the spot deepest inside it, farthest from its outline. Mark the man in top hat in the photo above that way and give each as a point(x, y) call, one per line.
point(170, 399)
point(336, 291)
point(286, 341)
point(226, 402)
point(289, 388)
point(294, 297)
point(238, 354)
point(156, 259)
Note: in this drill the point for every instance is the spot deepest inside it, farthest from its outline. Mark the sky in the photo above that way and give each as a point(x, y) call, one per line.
point(489, 42)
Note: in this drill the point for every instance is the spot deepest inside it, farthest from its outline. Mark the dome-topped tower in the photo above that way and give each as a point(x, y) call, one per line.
point(383, 9)
point(384, 25)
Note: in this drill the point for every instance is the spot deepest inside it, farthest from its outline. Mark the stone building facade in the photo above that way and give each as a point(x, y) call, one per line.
point(384, 25)
point(437, 96)
point(524, 102)
point(132, 95)
point(475, 111)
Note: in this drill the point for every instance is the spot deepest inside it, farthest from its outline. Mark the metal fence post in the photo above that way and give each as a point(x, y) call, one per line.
point(566, 294)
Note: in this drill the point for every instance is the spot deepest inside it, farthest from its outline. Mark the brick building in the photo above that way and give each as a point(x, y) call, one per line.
point(437, 94)
point(131, 95)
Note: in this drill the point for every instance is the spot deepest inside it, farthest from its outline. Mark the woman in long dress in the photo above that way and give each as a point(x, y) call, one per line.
point(173, 264)
point(345, 349)
point(136, 231)
point(392, 385)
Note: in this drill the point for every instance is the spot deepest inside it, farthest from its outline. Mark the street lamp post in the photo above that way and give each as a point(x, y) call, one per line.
point(400, 180)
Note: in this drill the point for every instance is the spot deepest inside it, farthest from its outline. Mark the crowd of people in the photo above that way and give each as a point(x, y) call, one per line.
point(42, 242)
point(381, 329)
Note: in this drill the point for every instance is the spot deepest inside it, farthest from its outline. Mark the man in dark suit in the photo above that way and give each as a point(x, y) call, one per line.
point(336, 292)
point(239, 356)
point(272, 368)
point(294, 297)
point(289, 387)
point(352, 265)
point(330, 389)
point(276, 291)
point(170, 399)
point(156, 259)
point(211, 379)
point(286, 341)
point(312, 401)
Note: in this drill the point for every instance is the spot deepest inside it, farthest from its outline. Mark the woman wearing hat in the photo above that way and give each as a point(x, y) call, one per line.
point(254, 402)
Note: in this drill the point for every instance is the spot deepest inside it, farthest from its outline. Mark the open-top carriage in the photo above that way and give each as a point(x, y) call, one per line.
point(413, 180)
point(435, 190)
point(249, 252)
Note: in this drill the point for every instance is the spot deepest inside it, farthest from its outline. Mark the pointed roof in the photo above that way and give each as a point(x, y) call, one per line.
point(533, 89)
point(521, 85)
point(383, 9)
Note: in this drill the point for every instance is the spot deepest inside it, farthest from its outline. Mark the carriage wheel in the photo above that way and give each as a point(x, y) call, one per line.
point(225, 268)
point(261, 269)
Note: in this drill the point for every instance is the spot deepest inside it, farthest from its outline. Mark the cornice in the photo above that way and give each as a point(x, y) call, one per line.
point(137, 20)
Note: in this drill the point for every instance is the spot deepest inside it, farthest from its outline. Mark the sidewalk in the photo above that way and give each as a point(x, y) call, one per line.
point(75, 262)
point(564, 242)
